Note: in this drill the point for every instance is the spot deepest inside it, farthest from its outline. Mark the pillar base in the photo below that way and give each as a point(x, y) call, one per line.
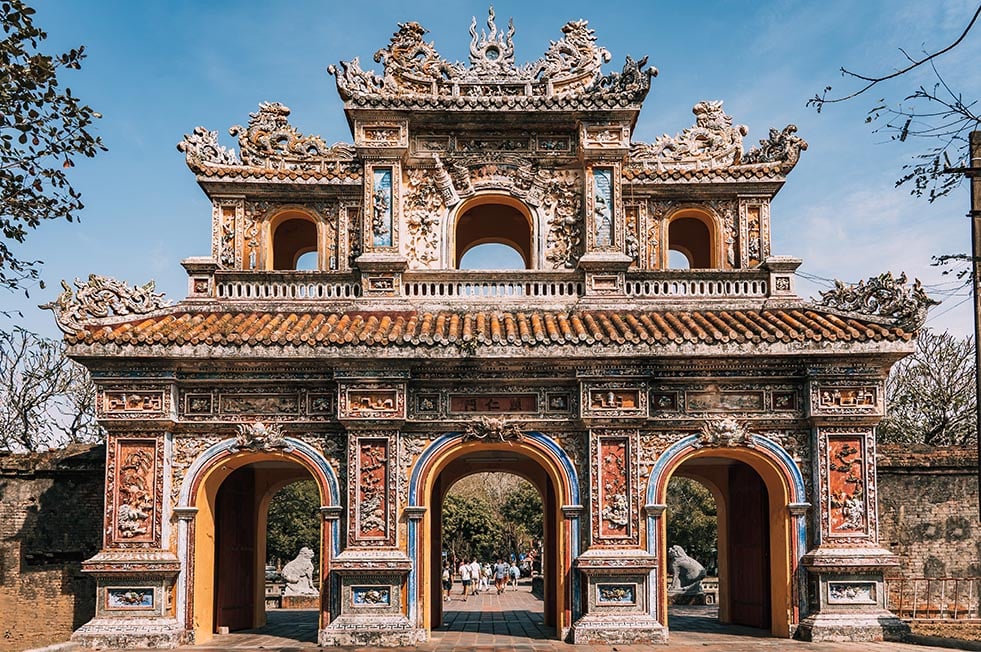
point(129, 633)
point(377, 631)
point(841, 627)
point(622, 630)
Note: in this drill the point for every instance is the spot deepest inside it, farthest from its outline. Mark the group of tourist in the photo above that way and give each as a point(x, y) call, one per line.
point(476, 577)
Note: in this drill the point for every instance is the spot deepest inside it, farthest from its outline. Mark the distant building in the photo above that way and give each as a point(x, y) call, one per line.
point(386, 372)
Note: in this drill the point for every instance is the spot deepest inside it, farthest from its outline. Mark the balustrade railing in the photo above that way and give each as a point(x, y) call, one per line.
point(935, 598)
point(556, 287)
point(285, 286)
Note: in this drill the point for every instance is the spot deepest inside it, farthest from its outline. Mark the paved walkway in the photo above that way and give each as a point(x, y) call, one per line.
point(513, 621)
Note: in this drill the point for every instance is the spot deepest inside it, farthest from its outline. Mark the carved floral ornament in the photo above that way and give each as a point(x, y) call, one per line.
point(571, 67)
point(492, 429)
point(101, 297)
point(883, 296)
point(714, 142)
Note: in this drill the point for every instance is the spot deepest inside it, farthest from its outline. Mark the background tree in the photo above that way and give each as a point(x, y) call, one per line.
point(937, 114)
point(930, 394)
point(43, 129)
point(471, 528)
point(46, 399)
point(692, 522)
point(293, 522)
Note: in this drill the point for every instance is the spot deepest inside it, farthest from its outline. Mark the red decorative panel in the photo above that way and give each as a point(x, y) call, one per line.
point(847, 496)
point(373, 491)
point(614, 488)
point(494, 403)
point(134, 518)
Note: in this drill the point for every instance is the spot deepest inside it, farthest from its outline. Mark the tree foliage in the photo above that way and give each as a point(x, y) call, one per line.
point(937, 114)
point(46, 399)
point(490, 515)
point(43, 129)
point(293, 522)
point(930, 395)
point(692, 522)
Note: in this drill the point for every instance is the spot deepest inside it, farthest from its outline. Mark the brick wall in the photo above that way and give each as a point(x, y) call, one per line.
point(928, 510)
point(50, 520)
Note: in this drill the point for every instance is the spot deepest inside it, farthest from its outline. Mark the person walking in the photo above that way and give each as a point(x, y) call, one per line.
point(475, 575)
point(500, 575)
point(485, 575)
point(515, 573)
point(466, 578)
point(447, 579)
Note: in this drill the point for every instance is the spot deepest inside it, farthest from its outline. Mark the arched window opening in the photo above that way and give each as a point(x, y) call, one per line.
point(307, 262)
point(678, 260)
point(691, 237)
point(494, 220)
point(492, 256)
point(292, 238)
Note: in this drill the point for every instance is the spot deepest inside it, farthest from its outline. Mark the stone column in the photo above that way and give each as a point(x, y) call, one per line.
point(846, 587)
point(133, 572)
point(617, 572)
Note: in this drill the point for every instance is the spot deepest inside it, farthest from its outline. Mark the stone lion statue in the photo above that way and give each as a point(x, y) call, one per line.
point(687, 573)
point(299, 574)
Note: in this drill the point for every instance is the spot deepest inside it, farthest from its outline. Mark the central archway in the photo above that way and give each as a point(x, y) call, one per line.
point(534, 457)
point(494, 219)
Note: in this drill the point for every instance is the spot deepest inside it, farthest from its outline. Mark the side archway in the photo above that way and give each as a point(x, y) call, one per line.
point(695, 233)
point(562, 505)
point(786, 507)
point(290, 234)
point(198, 526)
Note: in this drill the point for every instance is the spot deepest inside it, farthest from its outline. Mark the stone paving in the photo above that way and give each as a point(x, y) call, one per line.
point(513, 621)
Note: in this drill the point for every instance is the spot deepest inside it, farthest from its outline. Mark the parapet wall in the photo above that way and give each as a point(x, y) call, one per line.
point(50, 521)
point(928, 510)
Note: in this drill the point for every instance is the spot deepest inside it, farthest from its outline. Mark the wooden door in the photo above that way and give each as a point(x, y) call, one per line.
point(749, 548)
point(235, 550)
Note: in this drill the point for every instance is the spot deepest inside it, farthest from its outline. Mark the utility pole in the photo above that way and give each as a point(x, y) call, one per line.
point(973, 174)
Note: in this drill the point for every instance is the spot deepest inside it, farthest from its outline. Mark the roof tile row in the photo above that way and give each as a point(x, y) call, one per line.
point(489, 328)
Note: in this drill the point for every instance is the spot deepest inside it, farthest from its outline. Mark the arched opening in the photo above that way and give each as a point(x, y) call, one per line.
point(551, 475)
point(691, 236)
point(292, 235)
point(228, 563)
point(756, 538)
point(492, 550)
point(494, 219)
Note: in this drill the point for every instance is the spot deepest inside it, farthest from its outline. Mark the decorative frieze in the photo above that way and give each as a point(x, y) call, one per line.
point(132, 403)
point(607, 400)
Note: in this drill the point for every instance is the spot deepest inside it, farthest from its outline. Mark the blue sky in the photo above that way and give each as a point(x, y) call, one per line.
point(155, 70)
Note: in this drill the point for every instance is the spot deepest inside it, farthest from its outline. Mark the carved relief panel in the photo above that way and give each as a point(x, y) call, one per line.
point(135, 492)
point(382, 203)
point(424, 213)
point(603, 232)
point(371, 401)
point(614, 478)
point(128, 402)
point(846, 398)
point(847, 477)
point(226, 238)
point(371, 491)
point(561, 206)
point(608, 400)
point(754, 231)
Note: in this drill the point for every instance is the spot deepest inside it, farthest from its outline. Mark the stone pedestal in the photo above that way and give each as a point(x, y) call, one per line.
point(619, 599)
point(370, 609)
point(850, 593)
point(131, 605)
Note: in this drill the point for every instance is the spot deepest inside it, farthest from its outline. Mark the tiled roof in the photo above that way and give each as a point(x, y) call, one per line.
point(489, 328)
point(756, 172)
point(345, 172)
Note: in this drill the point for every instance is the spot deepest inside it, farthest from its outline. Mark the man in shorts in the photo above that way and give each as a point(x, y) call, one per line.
point(475, 576)
point(500, 575)
point(466, 578)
